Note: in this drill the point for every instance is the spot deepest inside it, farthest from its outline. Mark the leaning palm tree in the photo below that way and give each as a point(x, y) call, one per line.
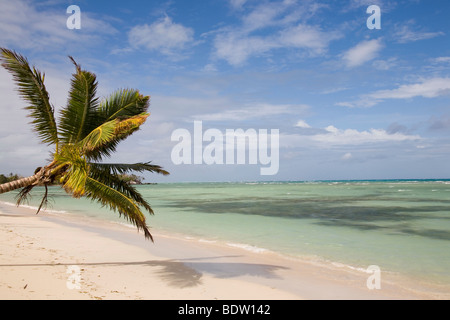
point(88, 130)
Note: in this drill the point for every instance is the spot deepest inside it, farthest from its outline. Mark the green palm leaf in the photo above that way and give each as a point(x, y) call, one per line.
point(124, 103)
point(121, 168)
point(100, 136)
point(101, 142)
point(103, 175)
point(109, 173)
point(32, 89)
point(77, 117)
point(117, 201)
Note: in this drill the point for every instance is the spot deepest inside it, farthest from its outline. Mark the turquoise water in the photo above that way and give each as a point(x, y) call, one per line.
point(401, 226)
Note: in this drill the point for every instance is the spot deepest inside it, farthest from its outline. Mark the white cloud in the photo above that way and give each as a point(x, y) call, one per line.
point(253, 111)
point(442, 60)
point(364, 3)
point(163, 35)
point(210, 68)
point(304, 36)
point(347, 156)
point(363, 102)
point(263, 16)
point(331, 136)
point(385, 64)
point(237, 4)
point(23, 26)
point(335, 136)
point(334, 90)
point(236, 47)
point(429, 88)
point(405, 33)
point(385, 5)
point(302, 124)
point(284, 27)
point(362, 53)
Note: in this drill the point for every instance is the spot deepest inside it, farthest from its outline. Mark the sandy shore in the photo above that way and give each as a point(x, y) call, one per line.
point(63, 257)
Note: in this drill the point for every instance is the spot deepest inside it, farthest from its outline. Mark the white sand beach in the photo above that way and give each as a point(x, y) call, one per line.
point(50, 256)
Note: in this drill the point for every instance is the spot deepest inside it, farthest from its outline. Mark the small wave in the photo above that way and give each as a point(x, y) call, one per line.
point(124, 224)
point(247, 247)
point(34, 208)
point(342, 265)
point(206, 241)
point(8, 204)
point(54, 211)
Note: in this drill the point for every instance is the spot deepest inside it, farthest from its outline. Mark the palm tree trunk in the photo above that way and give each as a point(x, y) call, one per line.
point(17, 184)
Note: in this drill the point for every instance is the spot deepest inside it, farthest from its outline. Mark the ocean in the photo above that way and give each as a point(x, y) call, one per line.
point(401, 226)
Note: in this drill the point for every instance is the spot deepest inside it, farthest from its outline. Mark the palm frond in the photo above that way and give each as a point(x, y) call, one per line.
point(99, 136)
point(103, 144)
point(78, 116)
point(121, 168)
point(117, 201)
point(124, 103)
point(32, 89)
point(103, 174)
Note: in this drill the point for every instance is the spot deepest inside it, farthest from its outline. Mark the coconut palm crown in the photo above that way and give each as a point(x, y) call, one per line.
point(88, 130)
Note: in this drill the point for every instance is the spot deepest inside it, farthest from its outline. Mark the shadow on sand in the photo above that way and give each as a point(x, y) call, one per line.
point(182, 274)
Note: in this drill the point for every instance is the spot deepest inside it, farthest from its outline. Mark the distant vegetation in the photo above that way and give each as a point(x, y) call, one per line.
point(131, 178)
point(9, 178)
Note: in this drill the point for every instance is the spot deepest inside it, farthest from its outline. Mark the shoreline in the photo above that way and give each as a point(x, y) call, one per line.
point(113, 261)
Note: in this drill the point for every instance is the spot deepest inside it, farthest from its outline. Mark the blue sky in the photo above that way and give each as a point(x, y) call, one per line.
point(349, 102)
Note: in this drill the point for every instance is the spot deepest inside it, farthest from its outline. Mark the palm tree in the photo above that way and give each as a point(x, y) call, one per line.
point(88, 130)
